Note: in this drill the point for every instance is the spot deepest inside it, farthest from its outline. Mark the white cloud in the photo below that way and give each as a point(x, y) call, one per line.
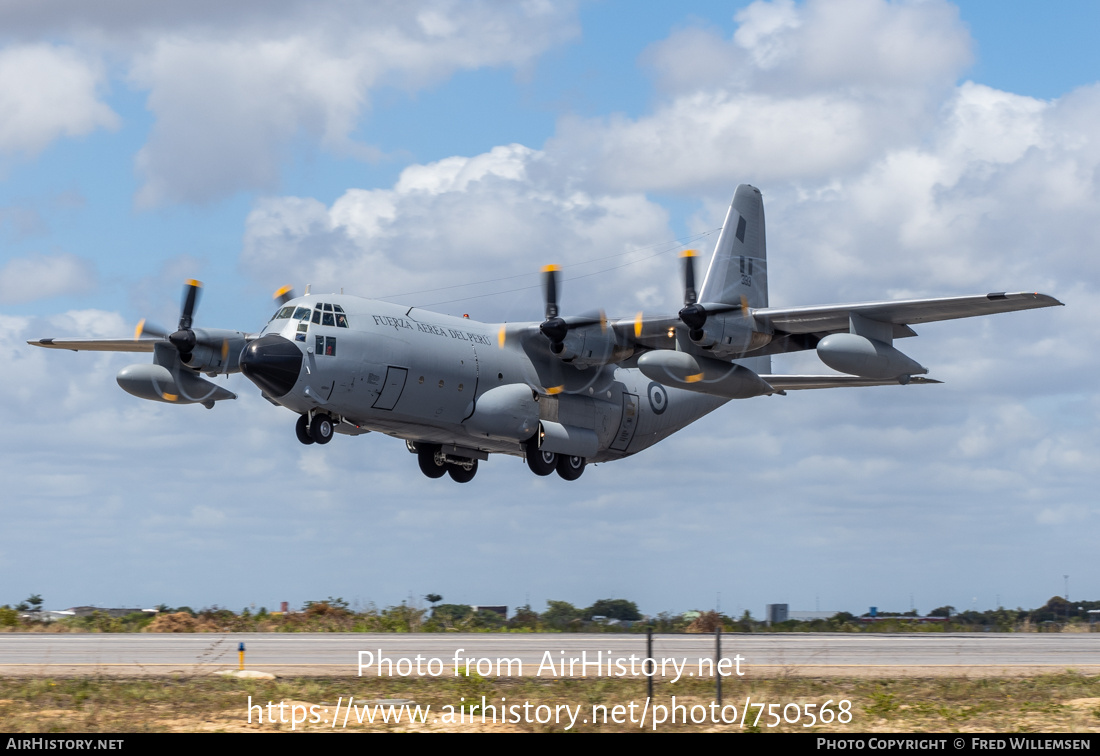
point(229, 101)
point(25, 279)
point(800, 92)
point(494, 217)
point(48, 92)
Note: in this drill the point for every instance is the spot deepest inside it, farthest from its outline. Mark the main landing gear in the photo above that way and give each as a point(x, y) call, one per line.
point(542, 462)
point(316, 431)
point(435, 464)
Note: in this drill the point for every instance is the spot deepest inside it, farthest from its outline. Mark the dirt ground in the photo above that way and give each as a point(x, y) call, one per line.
point(1062, 702)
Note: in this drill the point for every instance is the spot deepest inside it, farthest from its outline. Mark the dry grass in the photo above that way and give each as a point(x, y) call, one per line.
point(1051, 703)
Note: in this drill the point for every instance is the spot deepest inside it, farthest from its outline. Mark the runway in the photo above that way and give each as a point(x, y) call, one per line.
point(549, 655)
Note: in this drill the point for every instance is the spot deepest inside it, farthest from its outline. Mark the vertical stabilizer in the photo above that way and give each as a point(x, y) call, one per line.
point(739, 267)
point(740, 263)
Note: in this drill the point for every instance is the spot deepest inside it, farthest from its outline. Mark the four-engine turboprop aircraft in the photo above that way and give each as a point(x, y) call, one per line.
point(560, 393)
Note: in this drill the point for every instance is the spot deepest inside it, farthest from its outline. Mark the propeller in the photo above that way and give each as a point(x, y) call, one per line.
point(553, 328)
point(556, 328)
point(183, 338)
point(693, 314)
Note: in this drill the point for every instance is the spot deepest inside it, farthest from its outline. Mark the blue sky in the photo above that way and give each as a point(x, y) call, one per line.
point(904, 149)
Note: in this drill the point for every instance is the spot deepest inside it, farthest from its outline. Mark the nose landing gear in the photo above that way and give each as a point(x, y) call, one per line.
point(317, 431)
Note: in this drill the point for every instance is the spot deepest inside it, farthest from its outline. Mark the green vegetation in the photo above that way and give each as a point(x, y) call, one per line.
point(334, 614)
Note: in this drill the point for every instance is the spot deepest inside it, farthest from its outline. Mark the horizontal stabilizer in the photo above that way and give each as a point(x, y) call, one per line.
point(797, 382)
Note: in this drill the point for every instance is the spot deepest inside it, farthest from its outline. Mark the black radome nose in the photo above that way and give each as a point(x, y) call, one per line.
point(273, 364)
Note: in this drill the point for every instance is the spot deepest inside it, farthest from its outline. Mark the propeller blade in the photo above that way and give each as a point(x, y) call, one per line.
point(500, 336)
point(690, 295)
point(638, 325)
point(145, 328)
point(284, 295)
point(550, 287)
point(592, 317)
point(191, 291)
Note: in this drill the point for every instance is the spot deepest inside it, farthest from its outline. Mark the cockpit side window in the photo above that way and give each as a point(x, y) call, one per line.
point(317, 316)
point(282, 313)
point(328, 319)
point(302, 313)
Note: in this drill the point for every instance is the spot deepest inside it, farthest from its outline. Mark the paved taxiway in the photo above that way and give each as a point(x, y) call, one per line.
point(327, 654)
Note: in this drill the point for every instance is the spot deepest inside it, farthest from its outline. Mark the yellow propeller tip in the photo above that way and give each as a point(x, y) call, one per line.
point(281, 291)
point(500, 337)
point(193, 282)
point(139, 329)
point(688, 253)
point(550, 268)
point(555, 390)
point(638, 325)
point(694, 378)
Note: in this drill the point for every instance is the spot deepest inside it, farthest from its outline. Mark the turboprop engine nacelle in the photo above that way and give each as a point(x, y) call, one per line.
point(157, 383)
point(868, 358)
point(729, 334)
point(590, 346)
point(702, 374)
point(218, 351)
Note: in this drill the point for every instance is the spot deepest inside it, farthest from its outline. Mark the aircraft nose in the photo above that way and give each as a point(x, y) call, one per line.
point(272, 363)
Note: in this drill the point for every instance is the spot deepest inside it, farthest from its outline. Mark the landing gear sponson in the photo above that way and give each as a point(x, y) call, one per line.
point(435, 463)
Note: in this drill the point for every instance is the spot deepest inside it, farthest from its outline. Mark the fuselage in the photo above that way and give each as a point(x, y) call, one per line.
point(424, 377)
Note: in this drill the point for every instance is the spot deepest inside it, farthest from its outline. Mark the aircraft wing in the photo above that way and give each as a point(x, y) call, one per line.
point(827, 318)
point(98, 345)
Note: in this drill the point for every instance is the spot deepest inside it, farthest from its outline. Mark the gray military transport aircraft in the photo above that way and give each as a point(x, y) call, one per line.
point(560, 393)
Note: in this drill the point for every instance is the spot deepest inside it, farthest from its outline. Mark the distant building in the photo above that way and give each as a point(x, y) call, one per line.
point(775, 613)
point(501, 610)
point(811, 616)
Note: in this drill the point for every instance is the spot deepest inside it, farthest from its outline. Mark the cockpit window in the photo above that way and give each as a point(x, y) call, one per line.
point(302, 313)
point(282, 313)
point(324, 314)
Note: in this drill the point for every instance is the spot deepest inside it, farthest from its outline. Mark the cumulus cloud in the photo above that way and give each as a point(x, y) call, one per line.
point(229, 104)
point(799, 91)
point(47, 92)
point(232, 87)
point(25, 279)
point(495, 218)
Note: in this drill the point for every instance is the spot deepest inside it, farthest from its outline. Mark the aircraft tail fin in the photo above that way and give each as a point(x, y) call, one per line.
point(739, 266)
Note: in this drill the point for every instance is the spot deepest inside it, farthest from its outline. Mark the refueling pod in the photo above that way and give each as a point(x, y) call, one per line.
point(159, 384)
